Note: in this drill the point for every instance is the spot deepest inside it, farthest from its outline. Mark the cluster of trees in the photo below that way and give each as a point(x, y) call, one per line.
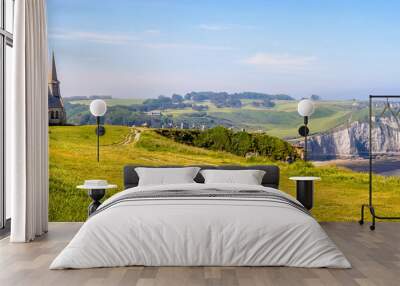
point(224, 99)
point(219, 99)
point(239, 143)
point(315, 97)
point(210, 95)
point(258, 95)
point(264, 103)
point(199, 107)
point(176, 101)
point(163, 102)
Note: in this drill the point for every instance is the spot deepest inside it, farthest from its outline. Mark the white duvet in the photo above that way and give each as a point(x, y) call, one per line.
point(202, 232)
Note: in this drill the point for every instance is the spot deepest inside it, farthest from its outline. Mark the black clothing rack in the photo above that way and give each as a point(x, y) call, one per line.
point(370, 205)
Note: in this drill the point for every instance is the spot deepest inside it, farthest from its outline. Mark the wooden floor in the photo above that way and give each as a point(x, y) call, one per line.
point(375, 257)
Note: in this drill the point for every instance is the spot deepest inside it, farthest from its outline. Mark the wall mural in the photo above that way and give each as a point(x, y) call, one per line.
point(185, 86)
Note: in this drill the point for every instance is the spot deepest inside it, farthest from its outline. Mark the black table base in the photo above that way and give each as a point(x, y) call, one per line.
point(96, 195)
point(305, 193)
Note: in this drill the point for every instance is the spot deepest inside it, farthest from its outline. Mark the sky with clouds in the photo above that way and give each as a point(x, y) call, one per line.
point(144, 48)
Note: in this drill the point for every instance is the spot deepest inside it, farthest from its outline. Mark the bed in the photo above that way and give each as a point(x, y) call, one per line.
point(198, 224)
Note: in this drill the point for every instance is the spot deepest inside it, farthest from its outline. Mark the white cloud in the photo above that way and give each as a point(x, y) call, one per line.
point(129, 39)
point(280, 61)
point(103, 38)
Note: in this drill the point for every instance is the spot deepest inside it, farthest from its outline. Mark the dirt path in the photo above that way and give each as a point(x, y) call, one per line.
point(131, 136)
point(137, 136)
point(128, 138)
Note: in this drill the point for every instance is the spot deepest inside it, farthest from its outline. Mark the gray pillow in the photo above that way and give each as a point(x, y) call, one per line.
point(166, 176)
point(247, 177)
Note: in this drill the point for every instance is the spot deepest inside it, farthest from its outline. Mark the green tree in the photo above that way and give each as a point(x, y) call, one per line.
point(217, 138)
point(241, 143)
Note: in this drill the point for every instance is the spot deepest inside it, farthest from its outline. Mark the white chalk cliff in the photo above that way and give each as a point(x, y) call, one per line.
point(353, 139)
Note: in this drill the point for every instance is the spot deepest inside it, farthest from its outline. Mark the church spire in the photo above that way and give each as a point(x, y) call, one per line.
point(54, 84)
point(53, 71)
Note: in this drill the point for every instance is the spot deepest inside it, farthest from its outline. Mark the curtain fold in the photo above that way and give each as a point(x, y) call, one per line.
point(27, 158)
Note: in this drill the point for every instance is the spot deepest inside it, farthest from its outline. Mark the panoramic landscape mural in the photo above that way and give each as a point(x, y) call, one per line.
point(183, 86)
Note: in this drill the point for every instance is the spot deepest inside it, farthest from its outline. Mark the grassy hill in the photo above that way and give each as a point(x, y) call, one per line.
point(73, 160)
point(282, 120)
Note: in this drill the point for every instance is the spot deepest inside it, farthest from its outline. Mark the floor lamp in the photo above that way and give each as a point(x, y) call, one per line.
point(305, 108)
point(98, 108)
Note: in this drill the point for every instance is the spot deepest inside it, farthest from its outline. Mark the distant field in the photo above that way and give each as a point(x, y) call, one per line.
point(282, 120)
point(73, 159)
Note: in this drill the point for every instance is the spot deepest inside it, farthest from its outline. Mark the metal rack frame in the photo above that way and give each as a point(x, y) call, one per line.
point(370, 204)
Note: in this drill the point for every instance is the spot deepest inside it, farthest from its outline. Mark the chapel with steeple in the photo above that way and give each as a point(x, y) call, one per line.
point(57, 115)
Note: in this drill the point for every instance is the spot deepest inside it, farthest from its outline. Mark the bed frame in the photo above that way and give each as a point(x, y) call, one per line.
point(271, 178)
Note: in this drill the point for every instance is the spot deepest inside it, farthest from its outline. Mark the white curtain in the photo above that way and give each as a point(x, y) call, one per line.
point(27, 124)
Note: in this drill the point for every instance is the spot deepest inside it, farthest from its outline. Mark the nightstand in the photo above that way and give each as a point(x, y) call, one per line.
point(305, 190)
point(96, 193)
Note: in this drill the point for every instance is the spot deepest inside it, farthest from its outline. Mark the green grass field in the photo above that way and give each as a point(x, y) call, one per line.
point(73, 159)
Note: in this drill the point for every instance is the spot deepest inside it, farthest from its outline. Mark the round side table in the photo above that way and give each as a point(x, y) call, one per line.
point(305, 190)
point(96, 193)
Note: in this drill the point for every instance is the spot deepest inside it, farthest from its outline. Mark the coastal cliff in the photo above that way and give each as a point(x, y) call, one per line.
point(352, 140)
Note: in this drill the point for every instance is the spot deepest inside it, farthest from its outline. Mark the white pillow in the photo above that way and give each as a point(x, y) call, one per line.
point(248, 177)
point(166, 176)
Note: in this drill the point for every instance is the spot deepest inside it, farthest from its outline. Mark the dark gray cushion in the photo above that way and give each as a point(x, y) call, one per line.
point(270, 179)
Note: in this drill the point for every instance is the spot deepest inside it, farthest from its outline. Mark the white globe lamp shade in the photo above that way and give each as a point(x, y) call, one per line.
point(98, 107)
point(305, 107)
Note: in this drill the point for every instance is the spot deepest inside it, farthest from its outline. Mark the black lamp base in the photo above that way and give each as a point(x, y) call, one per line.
point(96, 195)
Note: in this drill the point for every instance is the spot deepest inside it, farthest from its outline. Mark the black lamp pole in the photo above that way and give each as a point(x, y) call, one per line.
point(305, 138)
point(303, 131)
point(98, 137)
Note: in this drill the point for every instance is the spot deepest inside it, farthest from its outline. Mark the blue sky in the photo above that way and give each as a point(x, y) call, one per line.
point(144, 48)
